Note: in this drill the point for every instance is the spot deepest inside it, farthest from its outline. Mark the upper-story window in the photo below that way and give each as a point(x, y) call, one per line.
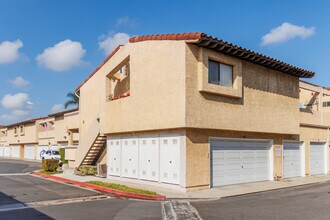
point(21, 129)
point(220, 73)
point(15, 131)
point(326, 104)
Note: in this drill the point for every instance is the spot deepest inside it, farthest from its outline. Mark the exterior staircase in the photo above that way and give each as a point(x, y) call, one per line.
point(95, 151)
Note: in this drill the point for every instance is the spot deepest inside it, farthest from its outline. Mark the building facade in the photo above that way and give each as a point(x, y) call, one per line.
point(27, 139)
point(191, 111)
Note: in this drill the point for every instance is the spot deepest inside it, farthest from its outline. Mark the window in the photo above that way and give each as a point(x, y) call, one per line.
point(326, 104)
point(220, 74)
point(15, 130)
point(21, 128)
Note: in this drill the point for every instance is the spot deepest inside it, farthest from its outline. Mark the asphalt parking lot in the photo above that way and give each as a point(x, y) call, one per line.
point(28, 197)
point(12, 166)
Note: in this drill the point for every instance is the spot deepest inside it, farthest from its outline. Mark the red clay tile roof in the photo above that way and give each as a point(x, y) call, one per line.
point(183, 36)
point(25, 122)
point(63, 112)
point(203, 40)
point(99, 67)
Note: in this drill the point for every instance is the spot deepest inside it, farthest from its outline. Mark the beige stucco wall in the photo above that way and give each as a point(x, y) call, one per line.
point(29, 135)
point(156, 85)
point(269, 103)
point(65, 123)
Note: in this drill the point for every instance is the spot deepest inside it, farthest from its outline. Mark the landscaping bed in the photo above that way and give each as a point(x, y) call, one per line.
point(123, 188)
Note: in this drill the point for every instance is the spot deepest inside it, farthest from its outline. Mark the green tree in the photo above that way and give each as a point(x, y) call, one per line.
point(73, 100)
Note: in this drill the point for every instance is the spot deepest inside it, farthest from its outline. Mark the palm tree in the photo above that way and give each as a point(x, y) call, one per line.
point(73, 100)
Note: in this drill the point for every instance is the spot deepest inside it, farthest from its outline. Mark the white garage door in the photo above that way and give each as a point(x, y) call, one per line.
point(114, 157)
point(129, 159)
point(29, 152)
point(15, 151)
point(1, 151)
point(170, 160)
point(39, 150)
point(148, 158)
point(317, 158)
point(145, 158)
point(6, 151)
point(292, 159)
point(239, 161)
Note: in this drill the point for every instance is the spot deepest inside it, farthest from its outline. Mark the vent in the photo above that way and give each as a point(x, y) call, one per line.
point(111, 169)
point(134, 142)
point(153, 141)
point(117, 169)
point(126, 142)
point(165, 141)
point(126, 170)
point(144, 142)
point(175, 141)
point(117, 142)
point(165, 175)
point(175, 176)
point(153, 173)
point(111, 143)
point(134, 171)
point(144, 173)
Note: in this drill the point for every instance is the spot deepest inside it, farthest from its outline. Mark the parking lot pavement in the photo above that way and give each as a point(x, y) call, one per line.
point(12, 166)
point(31, 189)
point(303, 202)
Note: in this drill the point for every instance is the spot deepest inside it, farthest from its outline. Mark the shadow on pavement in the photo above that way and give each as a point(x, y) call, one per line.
point(11, 208)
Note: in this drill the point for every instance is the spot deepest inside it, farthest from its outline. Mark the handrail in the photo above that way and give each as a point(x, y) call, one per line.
point(87, 140)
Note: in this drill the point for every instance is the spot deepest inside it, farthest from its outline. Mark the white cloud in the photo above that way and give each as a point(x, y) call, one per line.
point(126, 21)
point(108, 44)
point(16, 101)
point(123, 21)
point(286, 32)
point(19, 82)
point(63, 56)
point(57, 108)
point(19, 105)
point(9, 51)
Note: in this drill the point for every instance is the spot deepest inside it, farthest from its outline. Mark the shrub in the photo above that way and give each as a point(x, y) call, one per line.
point(50, 164)
point(88, 170)
point(62, 153)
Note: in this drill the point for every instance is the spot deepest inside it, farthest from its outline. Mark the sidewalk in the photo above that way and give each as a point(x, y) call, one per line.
point(213, 193)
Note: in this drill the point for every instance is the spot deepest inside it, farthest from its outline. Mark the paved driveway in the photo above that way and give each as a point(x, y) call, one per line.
point(28, 197)
point(305, 202)
point(18, 166)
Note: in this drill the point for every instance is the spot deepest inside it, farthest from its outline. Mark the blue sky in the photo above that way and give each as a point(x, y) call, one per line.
point(47, 48)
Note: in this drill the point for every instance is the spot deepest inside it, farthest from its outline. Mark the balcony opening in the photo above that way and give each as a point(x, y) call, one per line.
point(118, 82)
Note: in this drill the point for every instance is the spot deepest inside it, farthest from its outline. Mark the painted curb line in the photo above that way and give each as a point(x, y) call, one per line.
point(101, 188)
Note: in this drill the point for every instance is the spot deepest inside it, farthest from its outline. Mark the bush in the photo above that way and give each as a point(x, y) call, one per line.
point(62, 153)
point(88, 170)
point(50, 164)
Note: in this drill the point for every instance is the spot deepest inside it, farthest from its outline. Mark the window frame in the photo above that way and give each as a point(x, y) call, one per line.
point(219, 73)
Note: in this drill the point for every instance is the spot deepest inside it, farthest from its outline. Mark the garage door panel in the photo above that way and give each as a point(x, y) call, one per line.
point(29, 152)
point(317, 158)
point(130, 158)
point(6, 151)
point(114, 157)
point(242, 161)
point(15, 151)
point(292, 159)
point(1, 151)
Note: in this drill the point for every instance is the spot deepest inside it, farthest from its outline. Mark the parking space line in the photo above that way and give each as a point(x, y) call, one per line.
point(11, 207)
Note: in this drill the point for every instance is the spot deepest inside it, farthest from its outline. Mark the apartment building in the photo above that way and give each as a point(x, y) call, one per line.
point(191, 111)
point(28, 138)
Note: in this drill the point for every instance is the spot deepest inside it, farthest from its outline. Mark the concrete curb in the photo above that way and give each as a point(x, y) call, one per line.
point(115, 192)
